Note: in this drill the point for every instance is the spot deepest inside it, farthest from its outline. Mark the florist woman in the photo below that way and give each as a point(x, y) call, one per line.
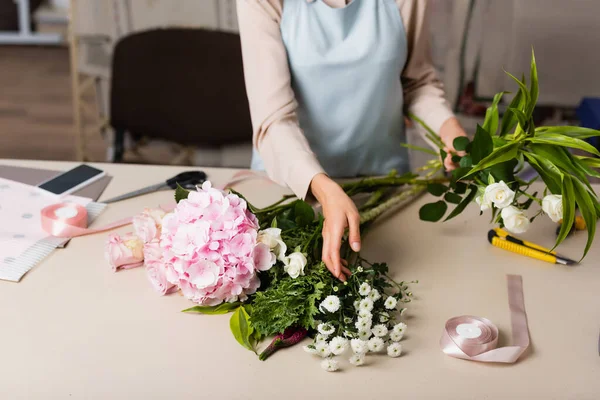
point(328, 83)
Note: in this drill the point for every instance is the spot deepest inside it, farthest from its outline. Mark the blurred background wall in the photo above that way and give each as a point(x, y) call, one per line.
point(54, 107)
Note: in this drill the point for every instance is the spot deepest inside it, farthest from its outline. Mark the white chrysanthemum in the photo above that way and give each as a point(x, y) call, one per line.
point(330, 365)
point(325, 329)
point(375, 344)
point(363, 323)
point(357, 359)
point(400, 328)
point(384, 317)
point(331, 303)
point(379, 330)
point(338, 345)
point(359, 346)
point(365, 314)
point(396, 336)
point(390, 303)
point(356, 304)
point(347, 320)
point(364, 334)
point(394, 350)
point(310, 349)
point(322, 349)
point(364, 289)
point(374, 295)
point(320, 338)
point(366, 304)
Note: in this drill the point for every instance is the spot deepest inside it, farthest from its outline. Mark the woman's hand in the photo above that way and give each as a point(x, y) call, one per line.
point(449, 131)
point(340, 213)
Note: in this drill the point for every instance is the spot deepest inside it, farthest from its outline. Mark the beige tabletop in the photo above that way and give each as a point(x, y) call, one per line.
point(73, 329)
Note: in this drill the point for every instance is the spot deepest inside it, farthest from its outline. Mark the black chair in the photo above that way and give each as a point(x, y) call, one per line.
point(181, 85)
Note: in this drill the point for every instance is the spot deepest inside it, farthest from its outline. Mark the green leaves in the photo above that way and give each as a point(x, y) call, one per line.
point(460, 143)
point(464, 203)
point(181, 193)
point(241, 328)
point(490, 123)
point(585, 203)
point(437, 189)
point(533, 85)
point(499, 155)
point(222, 308)
point(452, 198)
point(433, 212)
point(482, 145)
point(564, 141)
point(304, 213)
point(520, 116)
point(568, 198)
point(576, 132)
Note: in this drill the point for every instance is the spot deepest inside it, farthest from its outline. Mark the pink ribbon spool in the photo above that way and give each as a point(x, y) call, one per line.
point(476, 339)
point(70, 220)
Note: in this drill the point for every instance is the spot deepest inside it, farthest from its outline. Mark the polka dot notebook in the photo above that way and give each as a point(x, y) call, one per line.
point(23, 243)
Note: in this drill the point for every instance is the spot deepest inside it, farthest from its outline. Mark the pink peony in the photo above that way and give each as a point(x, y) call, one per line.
point(156, 269)
point(124, 252)
point(210, 249)
point(148, 224)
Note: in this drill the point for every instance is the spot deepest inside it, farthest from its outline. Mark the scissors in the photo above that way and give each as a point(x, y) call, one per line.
point(187, 180)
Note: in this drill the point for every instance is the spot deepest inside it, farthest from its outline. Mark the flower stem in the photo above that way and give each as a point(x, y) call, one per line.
point(375, 212)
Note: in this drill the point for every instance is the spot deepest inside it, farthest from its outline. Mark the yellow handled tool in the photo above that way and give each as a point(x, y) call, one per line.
point(505, 235)
point(523, 248)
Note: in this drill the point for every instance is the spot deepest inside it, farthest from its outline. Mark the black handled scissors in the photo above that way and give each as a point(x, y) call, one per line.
point(187, 180)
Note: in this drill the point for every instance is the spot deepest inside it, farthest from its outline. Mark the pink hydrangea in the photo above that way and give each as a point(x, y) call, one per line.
point(156, 269)
point(210, 248)
point(147, 225)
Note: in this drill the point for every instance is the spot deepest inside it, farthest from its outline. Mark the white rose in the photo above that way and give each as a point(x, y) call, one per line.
point(553, 206)
point(499, 194)
point(272, 238)
point(515, 220)
point(483, 202)
point(294, 264)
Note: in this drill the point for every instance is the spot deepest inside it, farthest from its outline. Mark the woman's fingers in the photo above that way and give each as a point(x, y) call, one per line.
point(354, 230)
point(332, 238)
point(346, 271)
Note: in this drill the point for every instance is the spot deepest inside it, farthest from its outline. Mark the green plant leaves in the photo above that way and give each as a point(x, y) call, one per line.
point(419, 148)
point(520, 116)
point(533, 85)
point(304, 213)
point(482, 145)
point(241, 328)
point(466, 162)
point(524, 92)
point(576, 132)
point(509, 120)
point(564, 141)
point(460, 143)
point(588, 212)
point(464, 203)
point(490, 123)
point(433, 212)
point(550, 178)
point(568, 198)
point(222, 308)
point(181, 193)
point(452, 198)
point(437, 189)
point(499, 155)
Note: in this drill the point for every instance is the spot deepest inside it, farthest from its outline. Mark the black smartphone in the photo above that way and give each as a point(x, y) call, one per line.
point(72, 180)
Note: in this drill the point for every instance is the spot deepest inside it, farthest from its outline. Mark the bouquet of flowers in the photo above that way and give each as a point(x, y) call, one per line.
point(264, 266)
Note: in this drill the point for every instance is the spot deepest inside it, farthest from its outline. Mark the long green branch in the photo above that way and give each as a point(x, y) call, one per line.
point(375, 212)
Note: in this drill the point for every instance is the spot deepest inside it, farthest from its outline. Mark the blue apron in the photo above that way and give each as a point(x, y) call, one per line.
point(345, 65)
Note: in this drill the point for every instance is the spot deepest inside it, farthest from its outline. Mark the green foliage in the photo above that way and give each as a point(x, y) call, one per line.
point(242, 329)
point(463, 204)
point(461, 143)
point(482, 145)
point(222, 308)
point(490, 124)
point(433, 212)
point(437, 189)
point(181, 193)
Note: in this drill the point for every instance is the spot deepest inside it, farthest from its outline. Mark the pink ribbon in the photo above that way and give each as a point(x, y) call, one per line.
point(476, 339)
point(70, 220)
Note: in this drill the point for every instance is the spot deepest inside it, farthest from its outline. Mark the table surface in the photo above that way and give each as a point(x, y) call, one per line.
point(74, 329)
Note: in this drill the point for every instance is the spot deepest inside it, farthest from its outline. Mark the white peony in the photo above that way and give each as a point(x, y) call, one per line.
point(515, 220)
point(331, 304)
point(375, 344)
point(394, 350)
point(359, 346)
point(390, 303)
point(338, 345)
point(357, 359)
point(364, 289)
point(499, 194)
point(553, 207)
point(272, 238)
point(294, 264)
point(330, 365)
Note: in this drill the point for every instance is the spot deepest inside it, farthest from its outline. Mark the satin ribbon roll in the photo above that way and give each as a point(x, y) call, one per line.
point(70, 220)
point(476, 339)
